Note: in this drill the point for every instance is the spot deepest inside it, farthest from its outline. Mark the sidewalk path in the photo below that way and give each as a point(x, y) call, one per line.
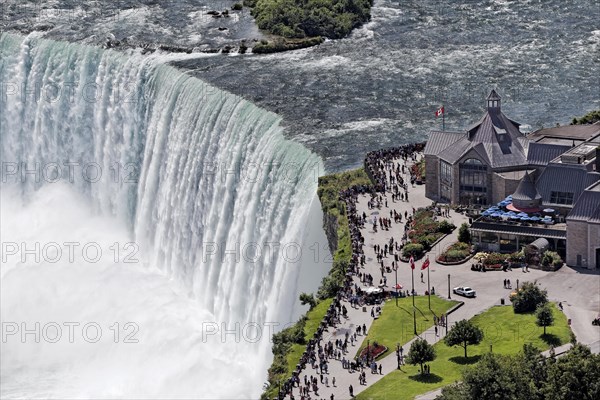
point(489, 287)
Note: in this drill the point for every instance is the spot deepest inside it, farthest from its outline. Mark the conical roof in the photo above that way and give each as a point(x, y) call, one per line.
point(526, 191)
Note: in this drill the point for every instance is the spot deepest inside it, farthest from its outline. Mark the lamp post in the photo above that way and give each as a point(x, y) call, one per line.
point(412, 265)
point(428, 285)
point(396, 271)
point(368, 351)
point(448, 285)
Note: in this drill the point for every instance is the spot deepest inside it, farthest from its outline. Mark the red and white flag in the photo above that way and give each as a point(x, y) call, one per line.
point(425, 263)
point(412, 262)
point(439, 112)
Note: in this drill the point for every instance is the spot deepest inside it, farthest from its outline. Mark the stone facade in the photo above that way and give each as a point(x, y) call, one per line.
point(432, 167)
point(584, 240)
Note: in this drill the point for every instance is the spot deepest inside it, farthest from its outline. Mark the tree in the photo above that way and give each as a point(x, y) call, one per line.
point(464, 333)
point(575, 376)
point(309, 299)
point(464, 234)
point(420, 352)
point(528, 298)
point(530, 376)
point(544, 316)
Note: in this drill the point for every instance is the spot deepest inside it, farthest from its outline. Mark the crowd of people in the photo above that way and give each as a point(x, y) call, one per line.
point(319, 352)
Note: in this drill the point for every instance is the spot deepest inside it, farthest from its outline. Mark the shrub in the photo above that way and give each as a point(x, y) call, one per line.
point(412, 249)
point(551, 258)
point(464, 234)
point(426, 240)
point(309, 299)
point(518, 256)
point(456, 255)
point(528, 298)
point(237, 7)
point(446, 227)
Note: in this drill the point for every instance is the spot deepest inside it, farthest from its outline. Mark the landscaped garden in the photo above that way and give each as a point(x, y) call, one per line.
point(457, 252)
point(425, 231)
point(505, 332)
point(395, 325)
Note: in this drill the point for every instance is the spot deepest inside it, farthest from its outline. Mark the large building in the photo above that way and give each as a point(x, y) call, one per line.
point(556, 169)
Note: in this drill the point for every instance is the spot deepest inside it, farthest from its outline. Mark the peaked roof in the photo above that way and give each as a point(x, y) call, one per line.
point(542, 153)
point(440, 140)
point(587, 207)
point(569, 178)
point(493, 95)
point(501, 139)
point(526, 190)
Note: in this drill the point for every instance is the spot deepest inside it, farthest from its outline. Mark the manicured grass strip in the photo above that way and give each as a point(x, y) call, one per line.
point(506, 331)
point(315, 316)
point(292, 356)
point(395, 325)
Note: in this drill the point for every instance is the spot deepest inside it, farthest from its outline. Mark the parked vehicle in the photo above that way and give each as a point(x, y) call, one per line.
point(464, 291)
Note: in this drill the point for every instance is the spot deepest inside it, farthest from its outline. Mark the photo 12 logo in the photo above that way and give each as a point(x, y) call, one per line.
point(70, 171)
point(68, 332)
point(70, 92)
point(69, 252)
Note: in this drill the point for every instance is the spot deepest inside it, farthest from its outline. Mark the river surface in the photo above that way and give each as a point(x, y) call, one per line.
point(381, 86)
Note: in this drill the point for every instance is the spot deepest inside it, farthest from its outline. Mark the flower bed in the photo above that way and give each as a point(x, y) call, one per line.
point(457, 252)
point(495, 260)
point(426, 231)
point(375, 350)
point(418, 171)
point(490, 261)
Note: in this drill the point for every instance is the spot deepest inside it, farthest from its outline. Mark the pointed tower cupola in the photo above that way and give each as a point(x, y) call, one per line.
point(493, 102)
point(527, 195)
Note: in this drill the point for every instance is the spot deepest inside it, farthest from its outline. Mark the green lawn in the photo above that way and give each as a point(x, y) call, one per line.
point(505, 331)
point(395, 325)
point(315, 316)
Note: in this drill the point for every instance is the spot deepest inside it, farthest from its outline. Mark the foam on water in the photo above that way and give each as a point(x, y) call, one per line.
point(205, 185)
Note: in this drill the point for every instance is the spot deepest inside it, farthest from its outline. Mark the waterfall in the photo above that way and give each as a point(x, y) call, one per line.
point(205, 181)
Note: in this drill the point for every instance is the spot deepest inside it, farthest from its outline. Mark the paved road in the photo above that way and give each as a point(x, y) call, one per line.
point(578, 290)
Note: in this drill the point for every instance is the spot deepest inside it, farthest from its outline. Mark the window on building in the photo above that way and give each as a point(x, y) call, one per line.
point(561, 198)
point(446, 173)
point(473, 177)
point(445, 181)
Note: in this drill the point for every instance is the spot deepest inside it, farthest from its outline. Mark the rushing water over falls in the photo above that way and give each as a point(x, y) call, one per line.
point(194, 197)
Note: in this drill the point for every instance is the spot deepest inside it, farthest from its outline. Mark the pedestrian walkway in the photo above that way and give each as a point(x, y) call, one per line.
point(359, 316)
point(489, 286)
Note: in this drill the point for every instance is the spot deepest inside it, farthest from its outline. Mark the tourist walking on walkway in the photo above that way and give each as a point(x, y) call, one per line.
point(351, 390)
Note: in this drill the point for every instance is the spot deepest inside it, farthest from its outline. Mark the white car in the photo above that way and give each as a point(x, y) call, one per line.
point(464, 291)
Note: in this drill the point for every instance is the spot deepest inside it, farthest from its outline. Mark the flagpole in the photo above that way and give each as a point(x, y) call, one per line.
point(443, 118)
